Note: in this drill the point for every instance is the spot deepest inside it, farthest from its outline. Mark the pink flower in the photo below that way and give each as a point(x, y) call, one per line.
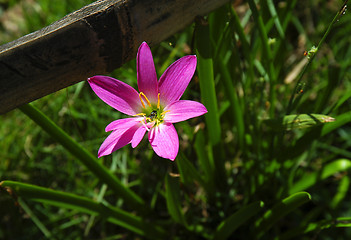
point(154, 109)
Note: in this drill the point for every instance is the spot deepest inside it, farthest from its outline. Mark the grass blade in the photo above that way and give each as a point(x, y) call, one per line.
point(311, 179)
point(341, 100)
point(204, 161)
point(341, 193)
point(333, 81)
point(174, 204)
point(86, 205)
point(230, 224)
point(319, 131)
point(279, 210)
point(234, 103)
point(267, 53)
point(299, 121)
point(209, 98)
point(84, 156)
point(316, 227)
point(207, 85)
point(35, 219)
point(274, 15)
point(188, 172)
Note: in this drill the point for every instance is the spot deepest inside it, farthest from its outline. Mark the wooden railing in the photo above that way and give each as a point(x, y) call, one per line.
point(93, 40)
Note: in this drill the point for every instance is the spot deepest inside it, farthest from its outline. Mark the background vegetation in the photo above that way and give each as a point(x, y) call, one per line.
point(257, 165)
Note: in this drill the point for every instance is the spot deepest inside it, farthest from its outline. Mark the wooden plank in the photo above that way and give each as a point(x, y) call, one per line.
point(93, 40)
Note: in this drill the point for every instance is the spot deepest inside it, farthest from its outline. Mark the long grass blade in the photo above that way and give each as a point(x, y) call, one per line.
point(174, 205)
point(279, 210)
point(86, 205)
point(313, 178)
point(228, 226)
point(84, 157)
point(275, 16)
point(205, 71)
point(207, 83)
point(234, 103)
point(267, 53)
point(341, 193)
point(204, 161)
point(35, 219)
point(298, 121)
point(188, 172)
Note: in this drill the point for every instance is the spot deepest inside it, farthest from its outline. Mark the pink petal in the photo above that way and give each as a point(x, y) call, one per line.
point(121, 124)
point(117, 94)
point(146, 73)
point(176, 78)
point(116, 140)
point(183, 110)
point(138, 136)
point(164, 140)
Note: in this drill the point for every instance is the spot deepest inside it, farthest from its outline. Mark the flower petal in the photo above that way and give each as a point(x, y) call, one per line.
point(116, 140)
point(138, 136)
point(121, 124)
point(117, 94)
point(164, 140)
point(176, 78)
point(183, 110)
point(146, 73)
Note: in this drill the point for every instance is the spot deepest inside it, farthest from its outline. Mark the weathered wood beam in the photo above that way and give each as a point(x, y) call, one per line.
point(93, 40)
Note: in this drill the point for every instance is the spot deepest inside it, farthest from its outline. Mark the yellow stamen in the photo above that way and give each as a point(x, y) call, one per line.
point(148, 119)
point(146, 99)
point(141, 100)
point(158, 101)
point(143, 115)
point(163, 113)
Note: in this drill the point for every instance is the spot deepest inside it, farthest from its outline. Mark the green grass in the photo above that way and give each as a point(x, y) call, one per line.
point(247, 170)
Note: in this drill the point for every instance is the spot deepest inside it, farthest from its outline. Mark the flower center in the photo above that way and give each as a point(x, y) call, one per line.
point(151, 113)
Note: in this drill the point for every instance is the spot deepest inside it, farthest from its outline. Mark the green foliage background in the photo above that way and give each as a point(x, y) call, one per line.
point(244, 171)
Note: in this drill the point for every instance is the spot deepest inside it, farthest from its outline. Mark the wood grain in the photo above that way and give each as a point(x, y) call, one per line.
point(93, 40)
